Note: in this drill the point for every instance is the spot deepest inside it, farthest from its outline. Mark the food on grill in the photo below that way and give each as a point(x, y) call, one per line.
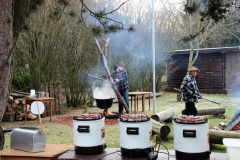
point(190, 119)
point(135, 117)
point(88, 116)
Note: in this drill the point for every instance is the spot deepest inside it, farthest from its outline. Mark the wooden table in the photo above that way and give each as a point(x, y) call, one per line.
point(135, 95)
point(70, 154)
point(31, 100)
point(52, 153)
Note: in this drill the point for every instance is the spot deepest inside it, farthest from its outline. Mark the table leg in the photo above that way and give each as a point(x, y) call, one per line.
point(137, 103)
point(38, 118)
point(143, 103)
point(149, 101)
point(131, 103)
point(50, 110)
point(25, 111)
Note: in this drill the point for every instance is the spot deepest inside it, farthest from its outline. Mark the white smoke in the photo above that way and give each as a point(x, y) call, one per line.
point(104, 92)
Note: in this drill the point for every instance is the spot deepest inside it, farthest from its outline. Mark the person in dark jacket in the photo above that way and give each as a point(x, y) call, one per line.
point(121, 79)
point(190, 91)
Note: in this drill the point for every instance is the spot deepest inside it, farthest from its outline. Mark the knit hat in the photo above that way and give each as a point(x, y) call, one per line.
point(115, 67)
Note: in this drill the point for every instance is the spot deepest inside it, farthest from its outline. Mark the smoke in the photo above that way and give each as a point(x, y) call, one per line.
point(132, 50)
point(104, 92)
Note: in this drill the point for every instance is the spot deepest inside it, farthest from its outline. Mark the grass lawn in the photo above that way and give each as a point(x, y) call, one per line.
point(63, 134)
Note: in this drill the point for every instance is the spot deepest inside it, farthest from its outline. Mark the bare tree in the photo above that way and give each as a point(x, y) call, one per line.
point(6, 38)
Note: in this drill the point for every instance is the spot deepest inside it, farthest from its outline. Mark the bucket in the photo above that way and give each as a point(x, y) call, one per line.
point(233, 148)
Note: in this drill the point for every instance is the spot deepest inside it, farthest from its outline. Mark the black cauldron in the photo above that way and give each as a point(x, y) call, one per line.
point(104, 103)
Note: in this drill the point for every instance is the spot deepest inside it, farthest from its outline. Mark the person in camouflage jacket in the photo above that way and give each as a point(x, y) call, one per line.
point(190, 92)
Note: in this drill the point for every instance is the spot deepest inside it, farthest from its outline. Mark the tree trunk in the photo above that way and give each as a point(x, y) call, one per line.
point(161, 129)
point(6, 37)
point(211, 111)
point(216, 137)
point(164, 115)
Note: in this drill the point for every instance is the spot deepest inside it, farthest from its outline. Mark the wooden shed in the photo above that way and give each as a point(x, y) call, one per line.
point(219, 69)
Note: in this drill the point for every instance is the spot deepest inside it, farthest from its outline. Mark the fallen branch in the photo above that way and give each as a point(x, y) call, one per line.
point(159, 128)
point(164, 115)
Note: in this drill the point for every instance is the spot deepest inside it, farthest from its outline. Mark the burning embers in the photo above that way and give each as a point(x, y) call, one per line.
point(135, 117)
point(190, 119)
point(106, 112)
point(88, 116)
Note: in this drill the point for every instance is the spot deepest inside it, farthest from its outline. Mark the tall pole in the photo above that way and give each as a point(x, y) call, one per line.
point(153, 54)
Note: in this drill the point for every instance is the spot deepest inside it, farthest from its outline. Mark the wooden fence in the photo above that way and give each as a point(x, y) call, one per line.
point(55, 91)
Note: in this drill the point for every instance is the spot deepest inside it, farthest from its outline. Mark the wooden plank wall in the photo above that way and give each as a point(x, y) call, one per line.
point(211, 71)
point(209, 80)
point(176, 70)
point(55, 91)
point(232, 72)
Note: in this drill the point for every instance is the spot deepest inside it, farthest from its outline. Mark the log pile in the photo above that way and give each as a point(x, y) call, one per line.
point(15, 107)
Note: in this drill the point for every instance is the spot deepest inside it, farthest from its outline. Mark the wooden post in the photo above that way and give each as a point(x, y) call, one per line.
point(42, 88)
point(164, 115)
point(137, 102)
point(47, 107)
point(51, 95)
point(56, 98)
point(149, 101)
point(143, 103)
point(60, 100)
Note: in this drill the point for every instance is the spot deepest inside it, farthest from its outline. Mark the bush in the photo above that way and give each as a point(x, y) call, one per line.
point(21, 81)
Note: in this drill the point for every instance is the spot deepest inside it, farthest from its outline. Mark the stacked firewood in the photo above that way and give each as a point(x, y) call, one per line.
point(15, 109)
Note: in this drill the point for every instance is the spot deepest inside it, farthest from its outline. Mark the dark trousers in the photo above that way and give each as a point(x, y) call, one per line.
point(124, 94)
point(190, 109)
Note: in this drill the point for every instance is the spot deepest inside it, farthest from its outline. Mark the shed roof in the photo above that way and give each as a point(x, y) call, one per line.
point(210, 50)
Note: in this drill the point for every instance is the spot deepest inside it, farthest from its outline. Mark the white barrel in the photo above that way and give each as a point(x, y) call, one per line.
point(135, 135)
point(89, 133)
point(191, 138)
